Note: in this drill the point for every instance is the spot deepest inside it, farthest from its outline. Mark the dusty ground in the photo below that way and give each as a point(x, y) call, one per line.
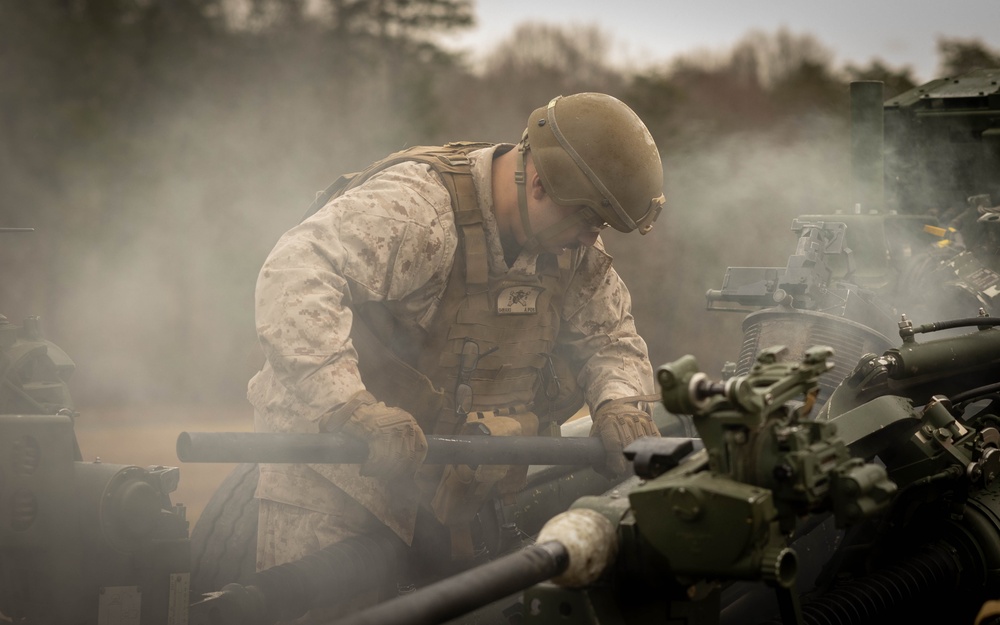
point(147, 435)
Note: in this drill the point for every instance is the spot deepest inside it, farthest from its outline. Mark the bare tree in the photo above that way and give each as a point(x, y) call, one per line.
point(535, 63)
point(959, 56)
point(896, 81)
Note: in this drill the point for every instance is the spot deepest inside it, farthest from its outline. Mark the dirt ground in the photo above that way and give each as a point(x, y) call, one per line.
point(147, 435)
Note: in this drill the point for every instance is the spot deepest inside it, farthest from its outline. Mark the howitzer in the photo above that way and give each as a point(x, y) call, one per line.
point(930, 519)
point(342, 449)
point(852, 272)
point(671, 547)
point(80, 542)
point(723, 513)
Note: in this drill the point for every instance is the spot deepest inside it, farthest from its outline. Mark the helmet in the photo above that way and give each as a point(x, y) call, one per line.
point(591, 149)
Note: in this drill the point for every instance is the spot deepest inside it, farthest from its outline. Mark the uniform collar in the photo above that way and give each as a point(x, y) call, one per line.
point(482, 178)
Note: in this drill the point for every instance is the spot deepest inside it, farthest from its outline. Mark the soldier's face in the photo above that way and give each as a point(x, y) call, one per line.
point(557, 227)
point(578, 234)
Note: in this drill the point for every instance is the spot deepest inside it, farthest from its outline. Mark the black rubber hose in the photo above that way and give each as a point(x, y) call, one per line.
point(869, 599)
point(969, 322)
point(454, 596)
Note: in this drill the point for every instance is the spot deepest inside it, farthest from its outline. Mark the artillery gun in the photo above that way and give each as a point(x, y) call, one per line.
point(723, 513)
point(920, 236)
point(899, 478)
point(81, 543)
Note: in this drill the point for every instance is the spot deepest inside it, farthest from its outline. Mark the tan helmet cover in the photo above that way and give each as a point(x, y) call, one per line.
point(591, 149)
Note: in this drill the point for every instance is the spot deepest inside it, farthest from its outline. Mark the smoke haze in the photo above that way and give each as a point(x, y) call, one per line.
point(161, 154)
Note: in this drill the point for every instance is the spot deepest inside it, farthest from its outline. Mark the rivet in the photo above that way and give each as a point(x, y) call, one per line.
point(541, 122)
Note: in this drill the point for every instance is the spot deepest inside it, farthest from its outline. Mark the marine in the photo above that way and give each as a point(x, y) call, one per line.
point(454, 289)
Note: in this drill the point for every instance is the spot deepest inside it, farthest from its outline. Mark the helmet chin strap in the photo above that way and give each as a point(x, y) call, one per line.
point(534, 240)
point(522, 193)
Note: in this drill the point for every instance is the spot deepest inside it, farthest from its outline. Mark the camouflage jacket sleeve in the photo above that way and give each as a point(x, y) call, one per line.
point(390, 239)
point(599, 332)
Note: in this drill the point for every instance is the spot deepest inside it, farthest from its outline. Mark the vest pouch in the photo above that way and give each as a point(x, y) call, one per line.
point(464, 489)
point(517, 474)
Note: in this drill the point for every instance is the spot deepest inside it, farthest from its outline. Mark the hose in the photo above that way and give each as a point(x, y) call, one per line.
point(868, 599)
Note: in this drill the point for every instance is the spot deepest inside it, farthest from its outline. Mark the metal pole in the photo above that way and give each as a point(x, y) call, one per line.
point(236, 447)
point(468, 591)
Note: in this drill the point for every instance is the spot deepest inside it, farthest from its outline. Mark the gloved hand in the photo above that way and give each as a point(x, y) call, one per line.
point(989, 614)
point(618, 423)
point(396, 444)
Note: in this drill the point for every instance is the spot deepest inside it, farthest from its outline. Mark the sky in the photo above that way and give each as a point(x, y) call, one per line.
point(899, 32)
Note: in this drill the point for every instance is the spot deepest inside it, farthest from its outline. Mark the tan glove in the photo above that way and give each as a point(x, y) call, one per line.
point(463, 490)
point(618, 423)
point(989, 614)
point(396, 444)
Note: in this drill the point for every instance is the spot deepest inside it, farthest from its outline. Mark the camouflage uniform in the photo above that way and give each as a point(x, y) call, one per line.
point(394, 240)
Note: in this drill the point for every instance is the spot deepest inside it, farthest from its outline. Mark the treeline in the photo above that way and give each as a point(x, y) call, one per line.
point(160, 147)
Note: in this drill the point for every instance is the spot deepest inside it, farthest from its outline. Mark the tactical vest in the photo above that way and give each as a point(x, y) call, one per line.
point(489, 347)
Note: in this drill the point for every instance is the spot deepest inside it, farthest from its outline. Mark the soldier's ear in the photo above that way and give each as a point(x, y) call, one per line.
point(535, 186)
